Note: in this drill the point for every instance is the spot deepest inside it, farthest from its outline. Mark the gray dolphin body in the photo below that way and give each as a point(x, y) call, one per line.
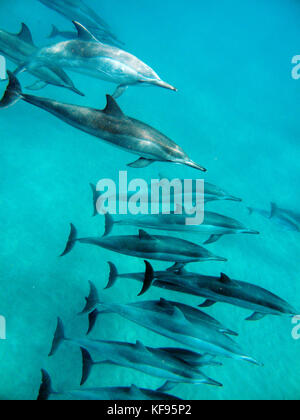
point(110, 125)
point(160, 363)
point(215, 225)
point(79, 11)
point(166, 319)
point(160, 248)
point(215, 289)
point(87, 55)
point(132, 393)
point(288, 219)
point(19, 47)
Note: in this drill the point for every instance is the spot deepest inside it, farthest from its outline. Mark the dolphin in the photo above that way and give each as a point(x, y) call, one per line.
point(110, 125)
point(79, 11)
point(161, 248)
point(166, 319)
point(288, 219)
point(19, 47)
point(87, 55)
point(55, 32)
point(132, 393)
point(155, 362)
point(215, 289)
point(215, 225)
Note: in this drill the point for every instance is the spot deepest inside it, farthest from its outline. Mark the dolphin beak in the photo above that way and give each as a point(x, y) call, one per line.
point(232, 198)
point(165, 85)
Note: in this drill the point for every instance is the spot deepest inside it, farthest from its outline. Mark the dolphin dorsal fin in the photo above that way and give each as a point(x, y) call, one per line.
point(144, 235)
point(179, 315)
point(225, 279)
point(112, 108)
point(25, 34)
point(140, 346)
point(83, 33)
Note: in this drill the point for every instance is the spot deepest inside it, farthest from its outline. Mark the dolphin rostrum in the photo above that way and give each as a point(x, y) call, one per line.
point(19, 47)
point(214, 289)
point(160, 363)
point(160, 248)
point(89, 56)
point(132, 393)
point(165, 318)
point(110, 125)
point(215, 225)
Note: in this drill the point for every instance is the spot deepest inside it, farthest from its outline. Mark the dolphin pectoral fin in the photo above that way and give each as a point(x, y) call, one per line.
point(149, 277)
point(212, 239)
point(119, 91)
point(167, 386)
point(207, 304)
point(177, 267)
point(256, 317)
point(38, 85)
point(141, 163)
point(20, 69)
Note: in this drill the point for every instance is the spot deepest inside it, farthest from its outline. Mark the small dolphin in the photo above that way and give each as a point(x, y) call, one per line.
point(132, 393)
point(55, 33)
point(215, 289)
point(155, 362)
point(288, 219)
point(19, 47)
point(161, 248)
point(166, 319)
point(80, 12)
point(110, 125)
point(215, 225)
point(106, 62)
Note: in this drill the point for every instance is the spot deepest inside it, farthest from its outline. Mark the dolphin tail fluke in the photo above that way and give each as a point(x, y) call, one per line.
point(13, 92)
point(113, 275)
point(109, 224)
point(92, 300)
point(54, 32)
point(71, 241)
point(46, 387)
point(87, 365)
point(148, 280)
point(92, 320)
point(59, 337)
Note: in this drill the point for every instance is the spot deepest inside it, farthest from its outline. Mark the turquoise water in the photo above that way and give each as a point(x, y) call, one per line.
point(236, 113)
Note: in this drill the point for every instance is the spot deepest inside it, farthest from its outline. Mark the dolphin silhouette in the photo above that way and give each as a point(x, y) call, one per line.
point(288, 219)
point(161, 248)
point(110, 125)
point(132, 393)
point(160, 363)
point(89, 56)
point(19, 47)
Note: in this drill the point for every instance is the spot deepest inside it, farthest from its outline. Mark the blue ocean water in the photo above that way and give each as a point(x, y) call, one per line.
point(236, 113)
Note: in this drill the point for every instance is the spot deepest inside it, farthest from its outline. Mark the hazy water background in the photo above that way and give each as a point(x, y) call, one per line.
point(236, 112)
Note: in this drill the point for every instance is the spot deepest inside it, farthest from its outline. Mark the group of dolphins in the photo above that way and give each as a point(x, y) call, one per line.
point(95, 51)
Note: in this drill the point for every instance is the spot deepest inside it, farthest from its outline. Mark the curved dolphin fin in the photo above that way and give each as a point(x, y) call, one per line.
point(109, 224)
point(38, 85)
point(177, 267)
point(119, 91)
point(167, 386)
point(59, 337)
point(207, 304)
point(83, 33)
point(274, 209)
point(92, 320)
point(95, 198)
point(143, 235)
point(92, 300)
point(71, 240)
point(113, 275)
point(178, 315)
point(256, 317)
point(149, 277)
point(87, 365)
point(54, 32)
point(212, 239)
point(46, 387)
point(141, 163)
point(225, 279)
point(25, 34)
point(112, 108)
